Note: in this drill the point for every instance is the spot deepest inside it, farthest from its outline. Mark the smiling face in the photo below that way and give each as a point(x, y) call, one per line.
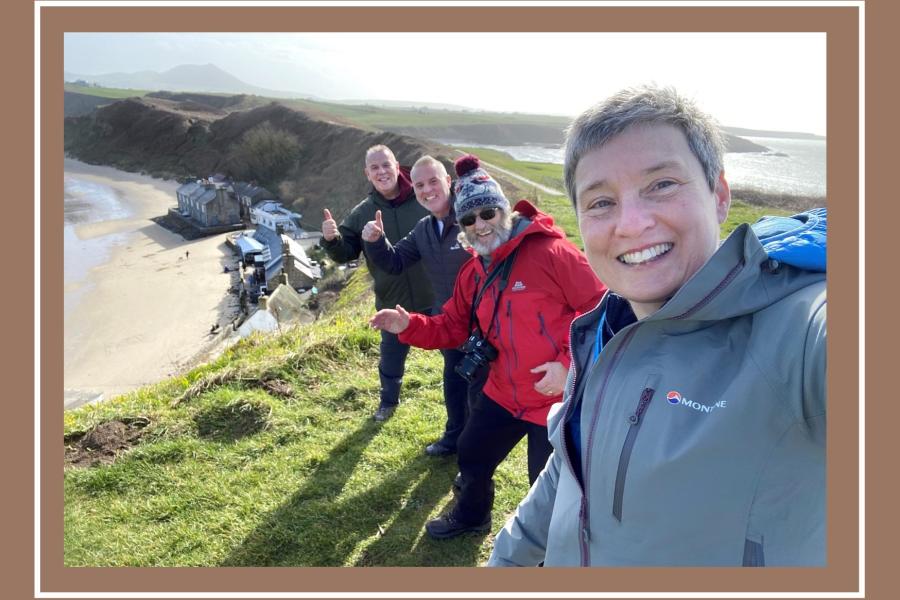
point(485, 236)
point(647, 216)
point(382, 170)
point(432, 186)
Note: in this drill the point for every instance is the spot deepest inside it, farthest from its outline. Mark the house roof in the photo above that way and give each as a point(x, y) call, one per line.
point(189, 188)
point(208, 195)
point(248, 244)
point(254, 192)
point(299, 256)
point(269, 238)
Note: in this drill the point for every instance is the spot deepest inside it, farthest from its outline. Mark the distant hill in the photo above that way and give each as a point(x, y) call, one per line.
point(183, 78)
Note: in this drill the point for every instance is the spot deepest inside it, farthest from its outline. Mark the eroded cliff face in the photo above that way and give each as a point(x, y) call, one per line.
point(180, 138)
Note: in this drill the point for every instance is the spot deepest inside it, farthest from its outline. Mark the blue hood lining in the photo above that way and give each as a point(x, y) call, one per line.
point(799, 240)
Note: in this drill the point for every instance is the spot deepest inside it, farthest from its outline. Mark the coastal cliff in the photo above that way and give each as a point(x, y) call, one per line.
point(182, 139)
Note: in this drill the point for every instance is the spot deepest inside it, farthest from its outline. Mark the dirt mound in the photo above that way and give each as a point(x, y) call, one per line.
point(153, 136)
point(103, 443)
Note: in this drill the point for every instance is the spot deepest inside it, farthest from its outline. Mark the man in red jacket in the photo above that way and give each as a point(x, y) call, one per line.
point(511, 308)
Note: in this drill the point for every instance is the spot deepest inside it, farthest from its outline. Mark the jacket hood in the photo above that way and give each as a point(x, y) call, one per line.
point(798, 240)
point(751, 270)
point(539, 224)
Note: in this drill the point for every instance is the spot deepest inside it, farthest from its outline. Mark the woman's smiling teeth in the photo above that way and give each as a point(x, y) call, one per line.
point(645, 255)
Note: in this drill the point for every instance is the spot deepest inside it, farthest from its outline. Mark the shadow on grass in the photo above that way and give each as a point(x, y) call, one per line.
point(322, 526)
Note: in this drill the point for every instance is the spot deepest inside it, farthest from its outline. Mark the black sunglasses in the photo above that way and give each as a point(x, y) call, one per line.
point(486, 215)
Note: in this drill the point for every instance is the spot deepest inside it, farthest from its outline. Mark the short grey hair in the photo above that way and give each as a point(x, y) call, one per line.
point(379, 148)
point(430, 160)
point(647, 104)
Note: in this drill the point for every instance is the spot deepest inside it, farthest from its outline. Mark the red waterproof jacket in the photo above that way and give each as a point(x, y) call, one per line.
point(549, 285)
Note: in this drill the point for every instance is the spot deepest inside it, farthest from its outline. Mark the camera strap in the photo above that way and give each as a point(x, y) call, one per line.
point(502, 270)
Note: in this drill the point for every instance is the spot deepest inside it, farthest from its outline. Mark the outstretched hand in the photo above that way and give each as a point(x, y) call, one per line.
point(329, 226)
point(390, 320)
point(554, 380)
point(373, 229)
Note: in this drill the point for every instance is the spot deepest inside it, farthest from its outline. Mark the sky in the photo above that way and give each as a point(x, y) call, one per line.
point(756, 80)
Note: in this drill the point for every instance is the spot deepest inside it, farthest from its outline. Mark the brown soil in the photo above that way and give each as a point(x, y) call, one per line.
point(103, 443)
point(277, 387)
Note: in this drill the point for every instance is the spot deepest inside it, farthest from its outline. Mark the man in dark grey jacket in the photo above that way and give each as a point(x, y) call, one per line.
point(433, 244)
point(392, 196)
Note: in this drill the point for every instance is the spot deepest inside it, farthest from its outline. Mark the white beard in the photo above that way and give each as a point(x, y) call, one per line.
point(502, 232)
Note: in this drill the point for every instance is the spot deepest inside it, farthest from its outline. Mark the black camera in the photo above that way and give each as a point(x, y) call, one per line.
point(479, 352)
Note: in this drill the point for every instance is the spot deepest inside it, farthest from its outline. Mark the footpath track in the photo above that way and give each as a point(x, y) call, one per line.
point(543, 188)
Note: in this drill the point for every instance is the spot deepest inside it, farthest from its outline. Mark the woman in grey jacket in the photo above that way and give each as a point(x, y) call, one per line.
point(692, 431)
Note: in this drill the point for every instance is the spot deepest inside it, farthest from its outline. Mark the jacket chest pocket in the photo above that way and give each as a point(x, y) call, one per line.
point(634, 420)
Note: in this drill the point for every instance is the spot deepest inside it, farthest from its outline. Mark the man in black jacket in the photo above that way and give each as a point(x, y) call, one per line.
point(393, 196)
point(432, 243)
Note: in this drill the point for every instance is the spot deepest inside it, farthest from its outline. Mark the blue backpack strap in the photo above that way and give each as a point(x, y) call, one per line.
point(799, 240)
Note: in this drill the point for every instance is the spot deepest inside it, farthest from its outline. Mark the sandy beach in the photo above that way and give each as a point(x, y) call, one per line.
point(144, 312)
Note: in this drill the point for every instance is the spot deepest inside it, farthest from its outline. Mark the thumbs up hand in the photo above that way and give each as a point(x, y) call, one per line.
point(329, 227)
point(373, 229)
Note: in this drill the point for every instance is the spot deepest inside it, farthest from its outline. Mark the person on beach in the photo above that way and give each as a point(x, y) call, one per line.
point(692, 431)
point(391, 194)
point(433, 242)
point(512, 305)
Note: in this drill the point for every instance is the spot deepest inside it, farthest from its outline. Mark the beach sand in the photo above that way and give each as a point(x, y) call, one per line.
point(144, 314)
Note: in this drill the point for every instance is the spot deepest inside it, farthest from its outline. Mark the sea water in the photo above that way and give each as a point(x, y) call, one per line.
point(86, 202)
point(795, 167)
point(791, 166)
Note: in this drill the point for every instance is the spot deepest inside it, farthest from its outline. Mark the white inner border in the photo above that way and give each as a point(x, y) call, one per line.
point(38, 593)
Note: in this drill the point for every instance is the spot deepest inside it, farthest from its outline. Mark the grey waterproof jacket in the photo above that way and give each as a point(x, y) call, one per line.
point(702, 429)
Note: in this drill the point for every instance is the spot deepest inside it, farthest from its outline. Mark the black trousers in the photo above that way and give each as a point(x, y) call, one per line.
point(489, 436)
point(456, 392)
point(391, 365)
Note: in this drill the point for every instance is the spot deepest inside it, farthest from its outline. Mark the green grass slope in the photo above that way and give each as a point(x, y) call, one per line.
point(228, 472)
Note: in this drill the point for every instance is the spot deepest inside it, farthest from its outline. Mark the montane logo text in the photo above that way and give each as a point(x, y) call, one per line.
point(518, 286)
point(674, 397)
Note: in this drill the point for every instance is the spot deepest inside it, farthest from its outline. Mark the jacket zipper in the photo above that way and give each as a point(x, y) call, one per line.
point(519, 410)
point(583, 530)
point(635, 420)
point(546, 333)
point(585, 526)
point(409, 285)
